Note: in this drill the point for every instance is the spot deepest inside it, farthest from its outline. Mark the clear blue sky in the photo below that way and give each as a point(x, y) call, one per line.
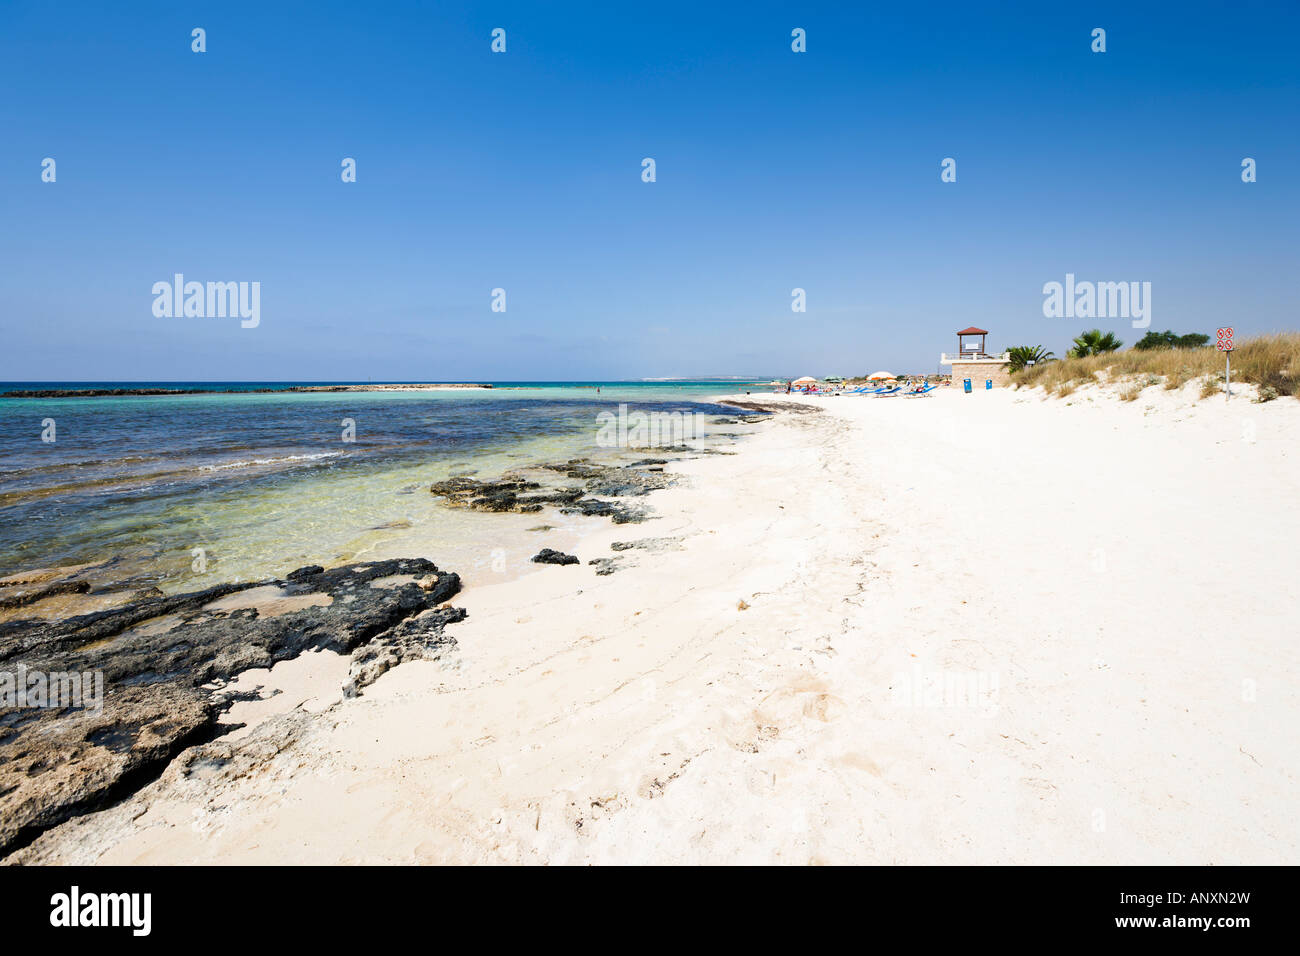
point(523, 171)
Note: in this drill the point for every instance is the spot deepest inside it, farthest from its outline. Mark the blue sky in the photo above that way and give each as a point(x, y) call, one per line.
point(522, 171)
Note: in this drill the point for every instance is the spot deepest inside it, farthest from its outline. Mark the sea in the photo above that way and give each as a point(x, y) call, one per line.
point(183, 491)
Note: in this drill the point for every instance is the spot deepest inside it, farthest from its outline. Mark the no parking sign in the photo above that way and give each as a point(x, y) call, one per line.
point(1223, 342)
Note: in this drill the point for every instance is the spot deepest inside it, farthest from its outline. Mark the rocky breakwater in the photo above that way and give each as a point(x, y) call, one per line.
point(160, 659)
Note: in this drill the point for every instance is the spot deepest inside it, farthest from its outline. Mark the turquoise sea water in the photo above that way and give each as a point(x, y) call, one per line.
point(263, 482)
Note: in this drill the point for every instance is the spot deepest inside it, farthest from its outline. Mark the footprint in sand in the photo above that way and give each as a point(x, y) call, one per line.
point(746, 734)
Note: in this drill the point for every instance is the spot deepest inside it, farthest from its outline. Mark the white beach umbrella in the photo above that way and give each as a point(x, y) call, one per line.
point(881, 376)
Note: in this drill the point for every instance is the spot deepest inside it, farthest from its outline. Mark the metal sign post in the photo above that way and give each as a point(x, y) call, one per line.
point(1223, 342)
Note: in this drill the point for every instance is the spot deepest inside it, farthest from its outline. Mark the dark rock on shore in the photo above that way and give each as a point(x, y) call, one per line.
point(548, 556)
point(519, 495)
point(611, 481)
point(622, 484)
point(649, 544)
point(155, 655)
point(417, 638)
point(595, 508)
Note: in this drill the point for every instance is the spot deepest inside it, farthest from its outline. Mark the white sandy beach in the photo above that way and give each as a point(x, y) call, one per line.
point(1116, 580)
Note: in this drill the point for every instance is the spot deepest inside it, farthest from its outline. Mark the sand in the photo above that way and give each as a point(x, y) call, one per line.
point(988, 628)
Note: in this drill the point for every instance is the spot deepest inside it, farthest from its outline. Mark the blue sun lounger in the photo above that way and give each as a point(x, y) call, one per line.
point(889, 392)
point(925, 391)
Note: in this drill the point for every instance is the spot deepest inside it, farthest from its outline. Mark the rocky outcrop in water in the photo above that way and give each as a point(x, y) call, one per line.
point(31, 595)
point(523, 497)
point(107, 392)
point(513, 493)
point(155, 657)
point(123, 392)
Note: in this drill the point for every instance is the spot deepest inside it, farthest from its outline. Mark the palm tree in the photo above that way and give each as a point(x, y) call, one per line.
point(1093, 342)
point(1022, 355)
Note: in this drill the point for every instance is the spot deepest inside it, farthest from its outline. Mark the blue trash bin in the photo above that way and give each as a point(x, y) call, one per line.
point(965, 384)
point(988, 383)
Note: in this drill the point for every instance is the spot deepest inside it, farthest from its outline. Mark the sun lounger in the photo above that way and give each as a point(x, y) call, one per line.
point(889, 392)
point(925, 391)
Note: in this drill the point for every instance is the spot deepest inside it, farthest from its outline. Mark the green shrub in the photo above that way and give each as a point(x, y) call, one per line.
point(1171, 340)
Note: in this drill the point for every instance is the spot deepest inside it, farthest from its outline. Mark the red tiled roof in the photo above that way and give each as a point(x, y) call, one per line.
point(973, 331)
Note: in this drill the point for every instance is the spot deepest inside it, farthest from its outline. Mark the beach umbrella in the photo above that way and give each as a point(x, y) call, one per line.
point(880, 376)
point(806, 380)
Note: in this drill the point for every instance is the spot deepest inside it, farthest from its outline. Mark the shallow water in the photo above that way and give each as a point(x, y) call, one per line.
point(186, 491)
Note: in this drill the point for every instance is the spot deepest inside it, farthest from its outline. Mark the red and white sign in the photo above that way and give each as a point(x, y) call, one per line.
point(1223, 339)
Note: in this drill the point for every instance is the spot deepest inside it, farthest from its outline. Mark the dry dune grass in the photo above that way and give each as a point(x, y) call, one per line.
point(1269, 361)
